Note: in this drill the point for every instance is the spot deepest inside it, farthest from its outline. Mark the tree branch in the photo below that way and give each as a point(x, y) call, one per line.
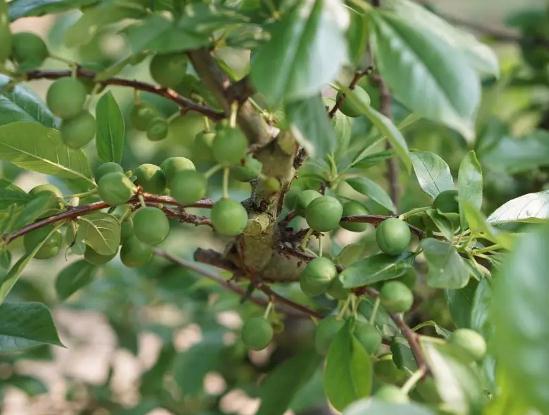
point(185, 103)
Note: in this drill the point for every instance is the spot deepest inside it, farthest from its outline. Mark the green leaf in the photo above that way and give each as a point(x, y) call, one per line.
point(531, 207)
point(100, 231)
point(385, 126)
point(432, 172)
point(479, 225)
point(18, 103)
point(32, 146)
point(8, 280)
point(100, 15)
point(281, 385)
point(25, 8)
point(24, 325)
point(479, 56)
point(311, 127)
point(110, 129)
point(521, 317)
point(73, 277)
point(33, 210)
point(373, 191)
point(11, 194)
point(5, 32)
point(191, 366)
point(460, 304)
point(373, 406)
point(380, 267)
point(348, 372)
point(447, 269)
point(307, 47)
point(357, 36)
point(457, 383)
point(469, 185)
point(28, 384)
point(425, 73)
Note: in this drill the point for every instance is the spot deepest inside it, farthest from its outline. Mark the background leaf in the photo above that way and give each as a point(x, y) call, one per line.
point(425, 73)
point(307, 48)
point(374, 191)
point(372, 406)
point(110, 129)
point(380, 267)
point(531, 207)
point(73, 277)
point(11, 194)
point(32, 146)
point(447, 269)
point(25, 8)
point(469, 185)
point(23, 325)
point(432, 172)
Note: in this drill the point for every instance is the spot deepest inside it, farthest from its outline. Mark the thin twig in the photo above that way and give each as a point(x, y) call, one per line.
point(185, 103)
point(341, 98)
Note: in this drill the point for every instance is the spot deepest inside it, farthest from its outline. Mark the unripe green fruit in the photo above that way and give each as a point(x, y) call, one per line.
point(249, 170)
point(392, 394)
point(348, 108)
point(50, 189)
point(183, 129)
point(97, 259)
point(28, 50)
point(303, 199)
point(188, 186)
point(353, 208)
point(257, 333)
point(150, 225)
point(135, 253)
point(447, 202)
point(158, 129)
point(368, 336)
point(151, 178)
point(51, 246)
point(324, 213)
point(78, 131)
point(142, 115)
point(325, 332)
point(270, 185)
point(470, 342)
point(174, 165)
point(290, 199)
point(115, 188)
point(106, 168)
point(393, 236)
point(229, 217)
point(317, 276)
point(168, 69)
point(229, 146)
point(126, 230)
point(396, 297)
point(66, 97)
point(6, 44)
point(202, 146)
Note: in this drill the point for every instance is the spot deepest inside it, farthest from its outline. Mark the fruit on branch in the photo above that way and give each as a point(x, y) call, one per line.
point(447, 202)
point(158, 129)
point(470, 343)
point(352, 208)
point(368, 336)
point(229, 146)
point(51, 246)
point(106, 168)
point(78, 131)
point(142, 115)
point(347, 107)
point(270, 185)
point(392, 394)
point(168, 69)
point(202, 146)
point(94, 258)
point(393, 236)
point(396, 297)
point(185, 128)
point(257, 333)
point(188, 186)
point(173, 165)
point(150, 225)
point(66, 97)
point(115, 188)
point(135, 253)
point(325, 332)
point(48, 189)
point(290, 198)
point(151, 178)
point(317, 276)
point(324, 213)
point(126, 229)
point(28, 50)
point(229, 217)
point(6, 44)
point(248, 170)
point(303, 199)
